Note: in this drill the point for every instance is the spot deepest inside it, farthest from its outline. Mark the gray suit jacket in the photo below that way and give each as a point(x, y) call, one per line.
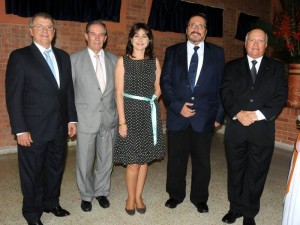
point(94, 109)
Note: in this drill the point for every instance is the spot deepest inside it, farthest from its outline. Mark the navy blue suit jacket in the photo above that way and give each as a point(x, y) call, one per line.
point(35, 103)
point(205, 97)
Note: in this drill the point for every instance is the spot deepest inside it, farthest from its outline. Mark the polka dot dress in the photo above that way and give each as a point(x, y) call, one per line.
point(138, 147)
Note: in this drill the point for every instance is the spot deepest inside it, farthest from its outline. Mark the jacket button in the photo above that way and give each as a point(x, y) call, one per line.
point(192, 98)
point(251, 100)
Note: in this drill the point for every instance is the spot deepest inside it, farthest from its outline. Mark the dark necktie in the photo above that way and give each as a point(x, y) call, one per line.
point(193, 68)
point(253, 70)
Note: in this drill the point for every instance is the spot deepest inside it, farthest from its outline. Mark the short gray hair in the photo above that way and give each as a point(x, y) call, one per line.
point(266, 35)
point(43, 15)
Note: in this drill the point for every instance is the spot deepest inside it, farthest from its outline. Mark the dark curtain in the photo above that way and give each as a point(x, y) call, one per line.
point(70, 10)
point(172, 15)
point(245, 24)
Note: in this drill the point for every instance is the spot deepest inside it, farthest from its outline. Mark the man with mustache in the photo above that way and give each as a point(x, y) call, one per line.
point(190, 81)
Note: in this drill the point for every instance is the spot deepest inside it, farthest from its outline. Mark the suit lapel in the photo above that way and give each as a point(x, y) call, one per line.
point(109, 70)
point(183, 62)
point(59, 65)
point(263, 68)
point(206, 59)
point(88, 68)
point(245, 67)
point(45, 69)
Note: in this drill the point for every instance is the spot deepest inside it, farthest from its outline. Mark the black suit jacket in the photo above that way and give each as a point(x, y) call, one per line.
point(35, 103)
point(268, 94)
point(176, 90)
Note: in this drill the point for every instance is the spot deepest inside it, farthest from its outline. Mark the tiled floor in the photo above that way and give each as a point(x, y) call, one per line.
point(154, 195)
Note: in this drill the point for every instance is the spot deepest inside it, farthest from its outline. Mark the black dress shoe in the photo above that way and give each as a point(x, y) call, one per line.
point(202, 207)
point(58, 211)
point(231, 217)
point(249, 221)
point(35, 223)
point(86, 206)
point(172, 203)
point(103, 201)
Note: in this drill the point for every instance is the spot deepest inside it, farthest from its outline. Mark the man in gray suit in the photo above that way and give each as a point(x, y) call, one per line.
point(93, 78)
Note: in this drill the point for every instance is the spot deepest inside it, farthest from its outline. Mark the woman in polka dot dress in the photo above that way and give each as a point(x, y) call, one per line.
point(140, 137)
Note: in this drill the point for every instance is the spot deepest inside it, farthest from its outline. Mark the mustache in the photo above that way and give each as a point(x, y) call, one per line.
point(195, 32)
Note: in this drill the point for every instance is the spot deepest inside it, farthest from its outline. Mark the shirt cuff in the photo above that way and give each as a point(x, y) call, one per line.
point(259, 115)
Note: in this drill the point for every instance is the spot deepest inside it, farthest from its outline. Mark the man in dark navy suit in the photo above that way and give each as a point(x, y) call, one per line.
point(40, 103)
point(190, 81)
point(253, 93)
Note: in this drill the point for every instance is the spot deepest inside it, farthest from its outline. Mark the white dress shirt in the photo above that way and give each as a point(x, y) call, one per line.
point(200, 52)
point(94, 60)
point(257, 65)
point(52, 56)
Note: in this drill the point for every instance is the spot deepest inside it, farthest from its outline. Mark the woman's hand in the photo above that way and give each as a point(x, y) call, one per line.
point(123, 130)
point(298, 146)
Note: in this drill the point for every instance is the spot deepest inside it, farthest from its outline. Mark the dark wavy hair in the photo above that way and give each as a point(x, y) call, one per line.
point(197, 14)
point(149, 49)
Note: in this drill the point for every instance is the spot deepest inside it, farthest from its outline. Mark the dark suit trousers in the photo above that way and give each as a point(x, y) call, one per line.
point(41, 168)
point(248, 165)
point(181, 145)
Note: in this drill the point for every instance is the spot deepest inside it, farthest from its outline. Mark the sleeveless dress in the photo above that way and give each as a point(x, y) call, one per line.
point(138, 146)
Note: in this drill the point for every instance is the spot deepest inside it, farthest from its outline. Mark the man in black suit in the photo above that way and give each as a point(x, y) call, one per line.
point(190, 81)
point(253, 92)
point(40, 103)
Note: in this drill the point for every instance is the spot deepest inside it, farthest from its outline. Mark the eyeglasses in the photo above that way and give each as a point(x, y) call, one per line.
point(194, 26)
point(41, 27)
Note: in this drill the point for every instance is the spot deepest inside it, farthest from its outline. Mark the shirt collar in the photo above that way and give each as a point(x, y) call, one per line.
point(191, 46)
point(100, 53)
point(41, 48)
point(251, 59)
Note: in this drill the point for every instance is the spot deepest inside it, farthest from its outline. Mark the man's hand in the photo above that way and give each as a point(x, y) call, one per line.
point(72, 129)
point(186, 111)
point(246, 117)
point(216, 124)
point(24, 139)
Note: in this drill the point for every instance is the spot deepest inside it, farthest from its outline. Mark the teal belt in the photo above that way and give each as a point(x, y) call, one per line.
point(153, 112)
